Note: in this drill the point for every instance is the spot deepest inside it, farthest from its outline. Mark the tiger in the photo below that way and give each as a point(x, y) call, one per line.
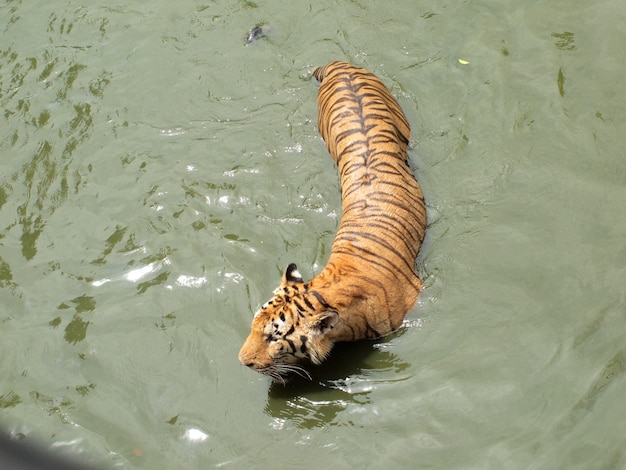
point(369, 282)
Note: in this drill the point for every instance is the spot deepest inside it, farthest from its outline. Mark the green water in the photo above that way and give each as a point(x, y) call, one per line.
point(157, 175)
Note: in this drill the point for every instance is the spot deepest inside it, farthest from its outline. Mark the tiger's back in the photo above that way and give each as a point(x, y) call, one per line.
point(384, 219)
point(369, 282)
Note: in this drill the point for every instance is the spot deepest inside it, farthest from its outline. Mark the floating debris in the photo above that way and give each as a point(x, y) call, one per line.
point(564, 41)
point(258, 32)
point(560, 81)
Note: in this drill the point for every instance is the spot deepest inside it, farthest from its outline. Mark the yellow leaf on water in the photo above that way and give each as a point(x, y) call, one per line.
point(463, 62)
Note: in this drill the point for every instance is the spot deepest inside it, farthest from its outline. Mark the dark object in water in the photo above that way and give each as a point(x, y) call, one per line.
point(259, 31)
point(18, 455)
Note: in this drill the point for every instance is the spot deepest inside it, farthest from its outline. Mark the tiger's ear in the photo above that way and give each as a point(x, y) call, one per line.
point(322, 322)
point(292, 274)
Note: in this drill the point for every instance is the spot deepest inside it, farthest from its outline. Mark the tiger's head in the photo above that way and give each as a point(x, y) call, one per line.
point(289, 330)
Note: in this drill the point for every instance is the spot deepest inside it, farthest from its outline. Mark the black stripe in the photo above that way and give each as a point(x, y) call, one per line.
point(320, 299)
point(303, 348)
point(308, 303)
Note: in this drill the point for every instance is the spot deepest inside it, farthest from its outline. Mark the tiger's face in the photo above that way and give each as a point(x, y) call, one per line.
point(289, 330)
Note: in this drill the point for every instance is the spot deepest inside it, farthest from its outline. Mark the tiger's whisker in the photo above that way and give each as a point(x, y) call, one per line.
point(301, 371)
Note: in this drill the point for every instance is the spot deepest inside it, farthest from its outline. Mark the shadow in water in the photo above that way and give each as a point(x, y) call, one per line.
point(345, 379)
point(19, 455)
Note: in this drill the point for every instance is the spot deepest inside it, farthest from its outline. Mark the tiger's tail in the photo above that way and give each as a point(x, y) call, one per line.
point(320, 73)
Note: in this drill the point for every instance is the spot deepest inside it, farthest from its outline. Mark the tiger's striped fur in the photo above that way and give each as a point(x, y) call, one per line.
point(369, 282)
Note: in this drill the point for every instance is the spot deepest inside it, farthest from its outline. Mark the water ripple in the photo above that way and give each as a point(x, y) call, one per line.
point(134, 275)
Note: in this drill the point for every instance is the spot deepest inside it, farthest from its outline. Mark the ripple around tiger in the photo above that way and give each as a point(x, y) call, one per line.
point(369, 282)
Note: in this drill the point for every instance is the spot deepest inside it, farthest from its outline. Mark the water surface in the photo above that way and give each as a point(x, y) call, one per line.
point(158, 175)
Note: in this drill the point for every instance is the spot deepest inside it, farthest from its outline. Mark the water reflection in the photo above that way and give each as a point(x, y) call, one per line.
point(344, 381)
point(49, 139)
point(76, 329)
point(611, 374)
point(193, 435)
point(10, 399)
point(135, 275)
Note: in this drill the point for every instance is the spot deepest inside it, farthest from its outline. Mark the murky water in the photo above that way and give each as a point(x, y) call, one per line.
point(158, 175)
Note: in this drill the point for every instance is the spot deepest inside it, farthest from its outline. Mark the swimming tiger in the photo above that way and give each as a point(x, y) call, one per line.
point(369, 282)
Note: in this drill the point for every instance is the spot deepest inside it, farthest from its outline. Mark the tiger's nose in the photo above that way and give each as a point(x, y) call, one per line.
point(246, 361)
point(250, 365)
point(251, 362)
